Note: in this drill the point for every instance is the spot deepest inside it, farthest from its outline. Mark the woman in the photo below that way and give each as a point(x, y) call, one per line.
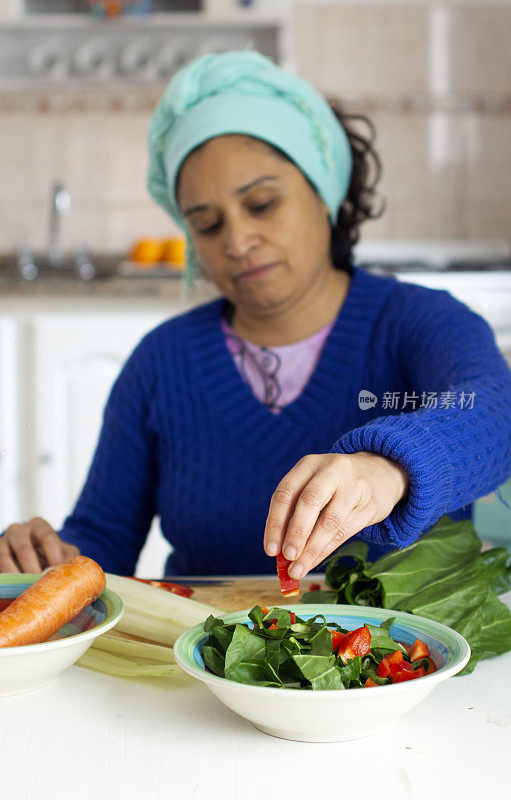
point(267, 420)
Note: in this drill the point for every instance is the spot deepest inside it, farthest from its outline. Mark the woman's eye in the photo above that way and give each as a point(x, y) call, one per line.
point(209, 229)
point(258, 209)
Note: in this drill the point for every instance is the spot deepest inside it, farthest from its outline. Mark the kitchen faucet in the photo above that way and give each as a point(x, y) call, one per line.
point(30, 263)
point(60, 203)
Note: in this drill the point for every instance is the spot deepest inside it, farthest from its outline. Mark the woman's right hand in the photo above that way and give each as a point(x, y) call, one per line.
point(32, 546)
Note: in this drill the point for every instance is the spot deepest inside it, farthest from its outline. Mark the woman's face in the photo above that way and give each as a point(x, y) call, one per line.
point(261, 233)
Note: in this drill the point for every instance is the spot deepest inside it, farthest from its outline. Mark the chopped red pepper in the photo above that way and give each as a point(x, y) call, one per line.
point(419, 650)
point(383, 668)
point(398, 670)
point(5, 602)
point(396, 657)
point(288, 586)
point(369, 682)
point(167, 586)
point(314, 587)
point(406, 673)
point(337, 639)
point(357, 643)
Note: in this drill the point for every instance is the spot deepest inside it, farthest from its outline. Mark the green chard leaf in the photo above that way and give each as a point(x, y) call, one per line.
point(245, 646)
point(321, 671)
point(321, 642)
point(282, 616)
point(382, 640)
point(498, 568)
point(445, 547)
point(350, 672)
point(213, 659)
point(254, 671)
point(256, 615)
point(487, 630)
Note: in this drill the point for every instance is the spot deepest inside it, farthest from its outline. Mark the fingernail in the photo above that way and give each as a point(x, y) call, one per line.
point(290, 552)
point(272, 549)
point(295, 571)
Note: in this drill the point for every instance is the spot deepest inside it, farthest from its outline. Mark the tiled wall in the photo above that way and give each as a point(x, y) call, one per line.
point(435, 78)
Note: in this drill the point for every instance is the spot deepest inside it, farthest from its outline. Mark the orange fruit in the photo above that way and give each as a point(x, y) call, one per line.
point(147, 251)
point(173, 251)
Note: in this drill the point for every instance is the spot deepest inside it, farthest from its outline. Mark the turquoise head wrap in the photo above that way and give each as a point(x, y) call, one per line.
point(244, 92)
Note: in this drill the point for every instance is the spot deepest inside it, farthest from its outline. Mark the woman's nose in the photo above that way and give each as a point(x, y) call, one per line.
point(240, 238)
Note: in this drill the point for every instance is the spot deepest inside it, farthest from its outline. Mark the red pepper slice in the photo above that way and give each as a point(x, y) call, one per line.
point(314, 587)
point(369, 682)
point(402, 674)
point(383, 668)
point(167, 586)
point(288, 586)
point(5, 602)
point(357, 643)
point(337, 639)
point(419, 650)
point(396, 657)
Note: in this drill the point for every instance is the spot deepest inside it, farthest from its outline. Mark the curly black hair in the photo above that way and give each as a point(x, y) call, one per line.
point(361, 202)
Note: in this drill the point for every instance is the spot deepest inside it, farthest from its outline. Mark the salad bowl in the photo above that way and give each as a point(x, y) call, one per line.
point(331, 715)
point(34, 666)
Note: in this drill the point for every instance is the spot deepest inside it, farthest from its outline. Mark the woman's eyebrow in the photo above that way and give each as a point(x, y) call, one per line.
point(240, 190)
point(256, 182)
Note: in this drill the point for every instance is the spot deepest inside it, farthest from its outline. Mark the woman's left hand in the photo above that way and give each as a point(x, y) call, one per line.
point(325, 500)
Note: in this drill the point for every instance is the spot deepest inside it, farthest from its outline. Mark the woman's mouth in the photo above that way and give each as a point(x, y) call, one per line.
point(255, 273)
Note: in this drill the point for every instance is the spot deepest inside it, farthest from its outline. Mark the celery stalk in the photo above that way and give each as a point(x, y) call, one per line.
point(123, 647)
point(154, 614)
point(113, 664)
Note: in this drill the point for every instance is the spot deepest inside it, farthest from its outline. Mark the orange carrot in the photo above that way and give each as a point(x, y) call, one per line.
point(52, 601)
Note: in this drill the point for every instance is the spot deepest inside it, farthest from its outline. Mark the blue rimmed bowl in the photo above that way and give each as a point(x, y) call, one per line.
point(34, 666)
point(332, 715)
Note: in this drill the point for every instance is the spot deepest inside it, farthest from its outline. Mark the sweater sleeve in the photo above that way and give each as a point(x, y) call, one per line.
point(459, 450)
point(113, 513)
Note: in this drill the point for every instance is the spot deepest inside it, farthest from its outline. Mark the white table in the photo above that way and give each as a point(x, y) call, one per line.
point(90, 735)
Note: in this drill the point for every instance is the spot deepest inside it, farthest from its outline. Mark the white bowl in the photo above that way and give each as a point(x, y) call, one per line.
point(331, 715)
point(34, 666)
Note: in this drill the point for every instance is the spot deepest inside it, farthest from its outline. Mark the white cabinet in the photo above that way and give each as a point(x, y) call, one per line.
point(10, 508)
point(58, 362)
point(72, 362)
point(11, 9)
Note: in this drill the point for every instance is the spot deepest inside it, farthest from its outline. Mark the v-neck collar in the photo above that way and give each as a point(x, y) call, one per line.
point(233, 400)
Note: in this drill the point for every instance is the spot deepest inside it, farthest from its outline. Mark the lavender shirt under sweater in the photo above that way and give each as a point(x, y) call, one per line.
point(276, 375)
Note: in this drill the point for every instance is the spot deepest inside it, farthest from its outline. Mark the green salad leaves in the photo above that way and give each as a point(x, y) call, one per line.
point(287, 652)
point(443, 576)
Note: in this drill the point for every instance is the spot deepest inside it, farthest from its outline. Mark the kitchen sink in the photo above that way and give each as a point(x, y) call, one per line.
point(19, 267)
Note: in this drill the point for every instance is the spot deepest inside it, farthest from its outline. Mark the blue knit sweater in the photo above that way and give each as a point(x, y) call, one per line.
point(183, 437)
